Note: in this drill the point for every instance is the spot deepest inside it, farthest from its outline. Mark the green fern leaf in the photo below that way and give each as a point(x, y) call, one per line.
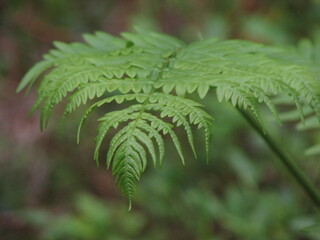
point(306, 54)
point(154, 74)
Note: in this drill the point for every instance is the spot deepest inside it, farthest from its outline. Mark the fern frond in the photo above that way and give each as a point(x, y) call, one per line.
point(153, 73)
point(306, 54)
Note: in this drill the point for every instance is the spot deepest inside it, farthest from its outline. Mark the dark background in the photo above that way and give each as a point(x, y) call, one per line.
point(50, 187)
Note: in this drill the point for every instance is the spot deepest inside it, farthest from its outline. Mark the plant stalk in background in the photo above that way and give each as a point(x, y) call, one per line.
point(289, 163)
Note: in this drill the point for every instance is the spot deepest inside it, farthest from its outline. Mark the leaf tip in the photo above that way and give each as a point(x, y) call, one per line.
point(130, 205)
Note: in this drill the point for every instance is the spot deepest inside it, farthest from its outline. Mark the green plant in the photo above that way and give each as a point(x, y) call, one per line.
point(306, 54)
point(158, 72)
point(91, 219)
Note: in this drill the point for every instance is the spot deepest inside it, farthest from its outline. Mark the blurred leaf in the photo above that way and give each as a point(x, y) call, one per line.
point(314, 150)
point(92, 210)
point(244, 168)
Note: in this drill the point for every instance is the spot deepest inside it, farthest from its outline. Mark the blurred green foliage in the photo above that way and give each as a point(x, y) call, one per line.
point(50, 189)
point(93, 219)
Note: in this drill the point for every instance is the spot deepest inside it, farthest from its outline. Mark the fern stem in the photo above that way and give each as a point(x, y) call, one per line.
point(295, 171)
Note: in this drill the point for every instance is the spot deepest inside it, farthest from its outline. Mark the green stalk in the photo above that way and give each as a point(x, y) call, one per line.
point(289, 163)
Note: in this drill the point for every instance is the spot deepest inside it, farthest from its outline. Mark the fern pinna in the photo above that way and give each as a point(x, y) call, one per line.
point(306, 53)
point(154, 72)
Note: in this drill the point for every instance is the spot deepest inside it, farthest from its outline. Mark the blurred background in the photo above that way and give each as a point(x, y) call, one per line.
point(50, 187)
